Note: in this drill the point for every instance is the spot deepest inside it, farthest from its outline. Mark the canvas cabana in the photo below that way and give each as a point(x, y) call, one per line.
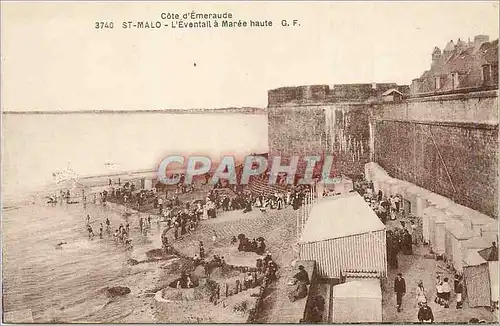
point(358, 301)
point(343, 233)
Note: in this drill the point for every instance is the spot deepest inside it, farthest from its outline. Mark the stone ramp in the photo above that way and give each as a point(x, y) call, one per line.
point(277, 227)
point(259, 185)
point(280, 309)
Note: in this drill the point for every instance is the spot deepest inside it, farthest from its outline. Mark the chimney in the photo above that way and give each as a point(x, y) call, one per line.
point(436, 56)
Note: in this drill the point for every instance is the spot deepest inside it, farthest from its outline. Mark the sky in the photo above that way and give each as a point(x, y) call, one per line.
point(54, 59)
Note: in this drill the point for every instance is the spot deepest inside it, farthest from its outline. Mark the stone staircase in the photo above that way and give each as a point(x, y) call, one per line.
point(259, 185)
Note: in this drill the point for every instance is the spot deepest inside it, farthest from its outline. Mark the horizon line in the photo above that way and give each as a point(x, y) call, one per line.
point(248, 110)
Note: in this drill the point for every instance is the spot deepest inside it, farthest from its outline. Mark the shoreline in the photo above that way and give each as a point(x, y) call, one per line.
point(89, 181)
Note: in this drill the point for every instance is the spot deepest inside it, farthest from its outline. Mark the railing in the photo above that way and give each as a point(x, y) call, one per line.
point(305, 209)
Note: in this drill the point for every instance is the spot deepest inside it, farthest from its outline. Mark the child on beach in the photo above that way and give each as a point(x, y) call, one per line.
point(446, 292)
point(439, 291)
point(91, 232)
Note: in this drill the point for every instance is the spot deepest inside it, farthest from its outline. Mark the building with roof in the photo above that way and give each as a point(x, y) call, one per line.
point(392, 95)
point(461, 66)
point(344, 236)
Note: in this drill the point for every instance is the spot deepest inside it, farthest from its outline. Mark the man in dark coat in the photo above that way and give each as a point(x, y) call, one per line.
point(399, 289)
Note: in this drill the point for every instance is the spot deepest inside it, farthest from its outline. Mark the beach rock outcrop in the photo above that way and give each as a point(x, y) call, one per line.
point(132, 262)
point(117, 291)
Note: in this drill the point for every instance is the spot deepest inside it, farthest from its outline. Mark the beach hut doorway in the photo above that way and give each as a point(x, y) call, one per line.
point(406, 207)
point(477, 281)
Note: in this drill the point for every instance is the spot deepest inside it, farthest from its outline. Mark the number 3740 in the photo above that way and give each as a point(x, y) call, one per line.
point(104, 24)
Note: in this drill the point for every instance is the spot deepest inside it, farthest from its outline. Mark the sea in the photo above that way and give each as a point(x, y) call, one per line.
point(66, 283)
point(35, 146)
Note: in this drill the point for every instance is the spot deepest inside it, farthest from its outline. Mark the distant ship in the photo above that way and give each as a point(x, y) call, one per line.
point(110, 165)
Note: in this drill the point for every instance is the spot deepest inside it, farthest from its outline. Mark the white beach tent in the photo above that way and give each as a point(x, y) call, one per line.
point(357, 302)
point(342, 234)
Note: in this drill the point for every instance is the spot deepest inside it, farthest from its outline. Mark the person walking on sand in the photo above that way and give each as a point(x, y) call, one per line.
point(108, 225)
point(400, 290)
point(420, 293)
point(458, 284)
point(439, 291)
point(91, 232)
point(446, 292)
point(202, 250)
point(214, 236)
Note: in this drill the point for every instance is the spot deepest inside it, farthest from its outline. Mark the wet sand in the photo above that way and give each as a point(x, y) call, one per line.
point(68, 283)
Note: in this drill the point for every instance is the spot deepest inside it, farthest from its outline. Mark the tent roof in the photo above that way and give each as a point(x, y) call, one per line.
point(458, 230)
point(489, 254)
point(369, 288)
point(476, 243)
point(472, 258)
point(340, 216)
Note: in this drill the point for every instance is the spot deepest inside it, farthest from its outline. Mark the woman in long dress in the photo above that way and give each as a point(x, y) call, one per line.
point(420, 293)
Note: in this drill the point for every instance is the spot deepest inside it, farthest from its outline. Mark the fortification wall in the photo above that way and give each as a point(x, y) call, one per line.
point(296, 130)
point(446, 144)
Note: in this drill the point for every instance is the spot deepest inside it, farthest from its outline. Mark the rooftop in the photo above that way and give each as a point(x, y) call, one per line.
point(340, 216)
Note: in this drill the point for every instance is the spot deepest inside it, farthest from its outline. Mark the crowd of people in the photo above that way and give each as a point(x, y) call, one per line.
point(442, 296)
point(255, 245)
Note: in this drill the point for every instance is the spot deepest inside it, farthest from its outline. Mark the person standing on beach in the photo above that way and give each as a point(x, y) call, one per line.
point(458, 284)
point(400, 290)
point(100, 231)
point(446, 292)
point(439, 291)
point(140, 224)
point(202, 250)
point(108, 225)
point(91, 232)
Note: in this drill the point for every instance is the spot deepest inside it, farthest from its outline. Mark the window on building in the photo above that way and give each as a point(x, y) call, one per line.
point(454, 80)
point(437, 83)
point(486, 73)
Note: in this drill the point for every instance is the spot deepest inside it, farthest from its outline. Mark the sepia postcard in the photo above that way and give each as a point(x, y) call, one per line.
point(250, 162)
